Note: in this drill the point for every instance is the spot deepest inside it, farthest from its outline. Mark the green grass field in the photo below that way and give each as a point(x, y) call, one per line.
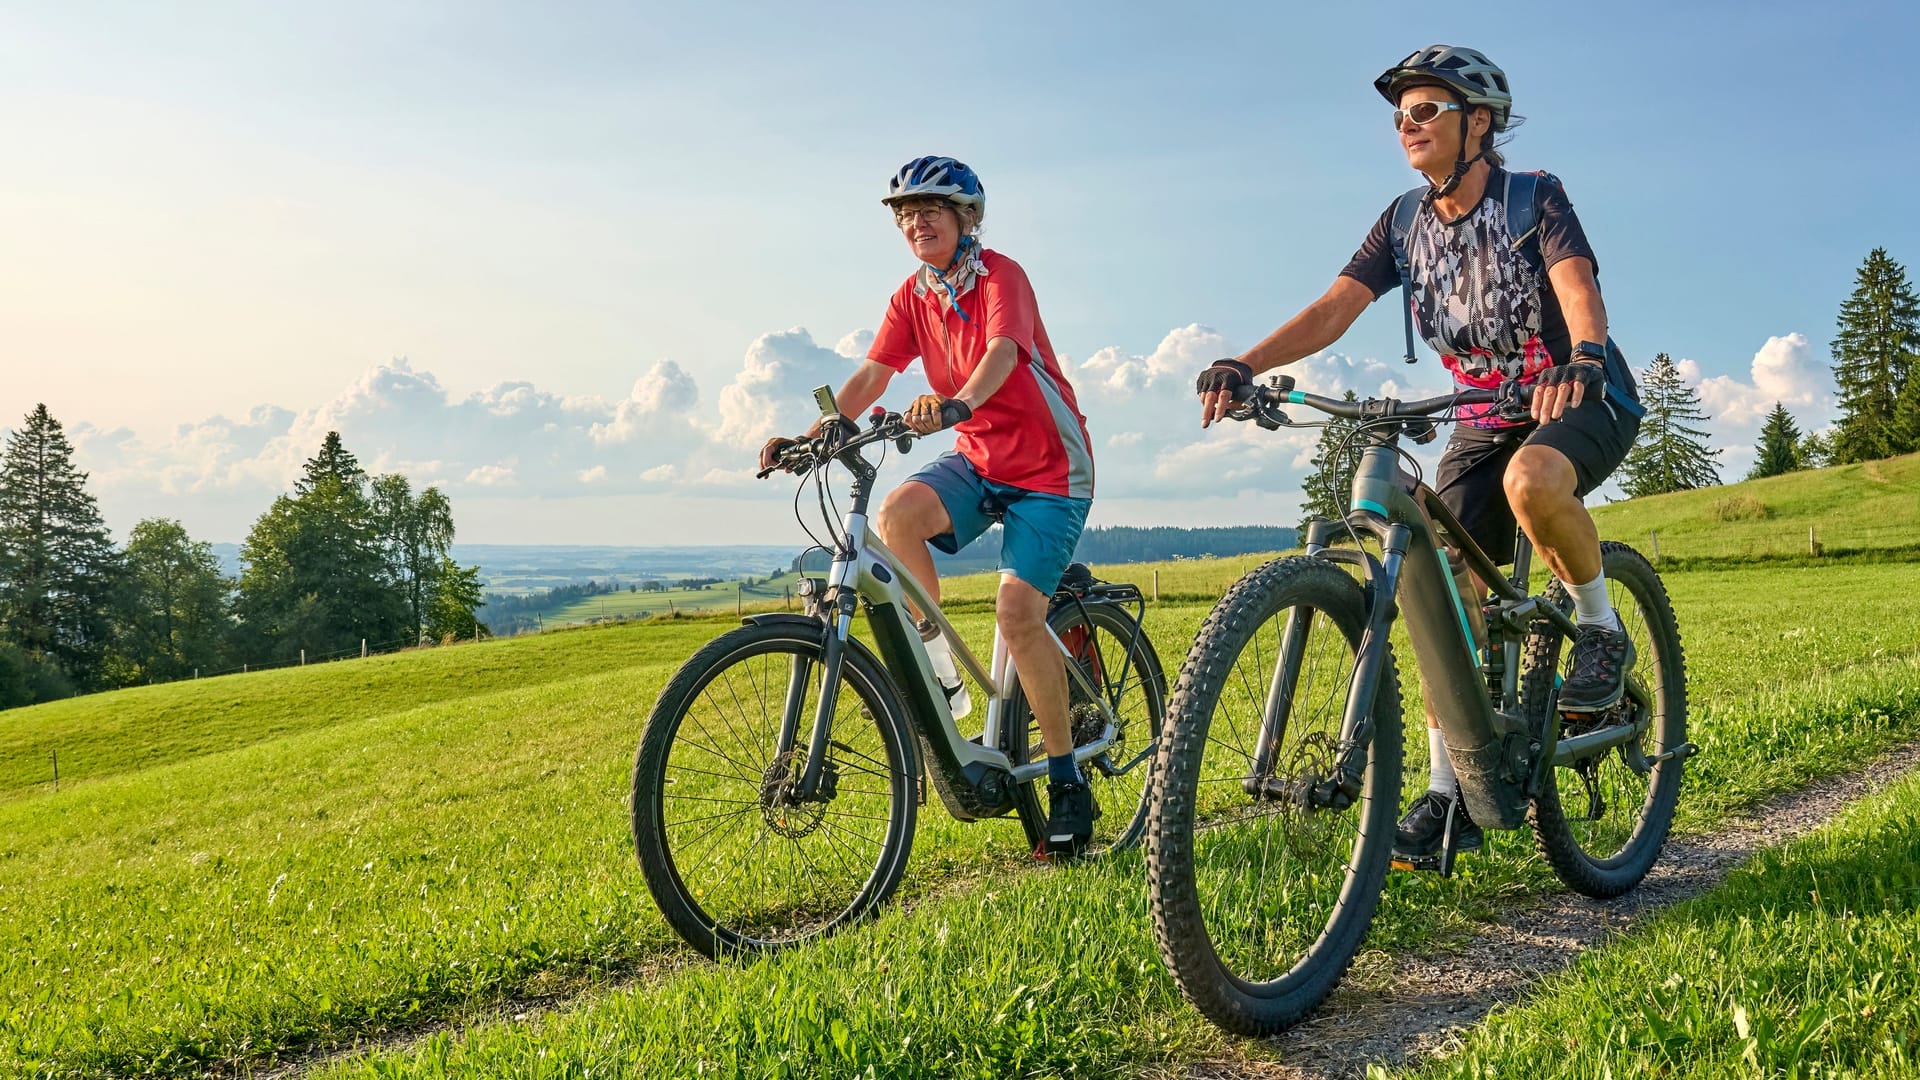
point(243, 868)
point(722, 597)
point(1873, 505)
point(1804, 963)
point(429, 845)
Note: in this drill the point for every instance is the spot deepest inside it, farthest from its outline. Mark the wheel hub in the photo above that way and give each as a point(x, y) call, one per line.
point(780, 804)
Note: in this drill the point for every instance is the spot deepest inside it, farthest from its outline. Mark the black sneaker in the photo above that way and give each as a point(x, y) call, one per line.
point(1416, 845)
point(1070, 815)
point(1601, 657)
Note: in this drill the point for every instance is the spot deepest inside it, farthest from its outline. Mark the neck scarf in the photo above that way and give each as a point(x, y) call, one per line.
point(958, 277)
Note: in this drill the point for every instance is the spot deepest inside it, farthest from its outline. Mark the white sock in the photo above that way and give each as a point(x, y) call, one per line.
point(1590, 607)
point(1439, 766)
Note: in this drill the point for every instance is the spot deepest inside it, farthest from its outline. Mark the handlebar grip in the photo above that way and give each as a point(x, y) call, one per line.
point(954, 411)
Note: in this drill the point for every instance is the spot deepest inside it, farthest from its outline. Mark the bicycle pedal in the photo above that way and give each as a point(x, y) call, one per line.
point(1417, 863)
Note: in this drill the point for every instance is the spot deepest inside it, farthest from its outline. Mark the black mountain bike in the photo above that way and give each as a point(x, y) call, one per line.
point(776, 785)
point(1277, 786)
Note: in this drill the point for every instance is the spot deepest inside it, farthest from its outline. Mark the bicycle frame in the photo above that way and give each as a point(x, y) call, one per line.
point(973, 777)
point(1497, 754)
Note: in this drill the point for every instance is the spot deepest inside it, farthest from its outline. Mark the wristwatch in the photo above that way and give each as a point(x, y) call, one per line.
point(1589, 350)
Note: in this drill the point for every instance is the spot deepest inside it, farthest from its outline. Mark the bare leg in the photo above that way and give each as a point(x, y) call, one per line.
point(1540, 482)
point(1022, 616)
point(912, 514)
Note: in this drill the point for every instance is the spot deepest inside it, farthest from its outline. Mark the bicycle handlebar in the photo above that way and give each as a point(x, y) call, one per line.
point(803, 454)
point(1252, 401)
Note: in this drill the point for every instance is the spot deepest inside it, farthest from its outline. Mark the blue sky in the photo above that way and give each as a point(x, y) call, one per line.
point(594, 232)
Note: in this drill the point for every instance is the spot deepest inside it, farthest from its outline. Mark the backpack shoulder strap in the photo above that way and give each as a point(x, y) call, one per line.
point(1522, 199)
point(1405, 209)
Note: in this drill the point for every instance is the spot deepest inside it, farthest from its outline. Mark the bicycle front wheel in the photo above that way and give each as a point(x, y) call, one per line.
point(1112, 652)
point(1601, 821)
point(1261, 893)
point(736, 862)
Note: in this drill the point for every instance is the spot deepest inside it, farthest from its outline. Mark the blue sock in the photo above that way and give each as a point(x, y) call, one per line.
point(1061, 769)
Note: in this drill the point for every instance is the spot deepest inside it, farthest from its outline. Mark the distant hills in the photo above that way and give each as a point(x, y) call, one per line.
point(524, 568)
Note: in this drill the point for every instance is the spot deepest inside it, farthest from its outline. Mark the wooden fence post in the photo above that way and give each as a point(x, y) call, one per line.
point(1156, 585)
point(56, 770)
point(1655, 537)
point(303, 658)
point(363, 648)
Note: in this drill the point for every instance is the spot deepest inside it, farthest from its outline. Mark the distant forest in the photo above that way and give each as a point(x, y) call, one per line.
point(1120, 544)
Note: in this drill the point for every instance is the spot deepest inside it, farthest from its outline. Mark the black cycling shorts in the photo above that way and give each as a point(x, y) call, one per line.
point(1595, 437)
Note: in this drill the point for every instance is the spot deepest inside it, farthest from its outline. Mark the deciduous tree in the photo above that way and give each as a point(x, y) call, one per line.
point(173, 616)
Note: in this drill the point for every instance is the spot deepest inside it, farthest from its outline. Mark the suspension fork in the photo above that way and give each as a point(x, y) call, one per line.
point(1286, 679)
point(1356, 726)
point(833, 653)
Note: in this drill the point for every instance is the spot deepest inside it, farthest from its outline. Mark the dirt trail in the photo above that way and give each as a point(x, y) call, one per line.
point(1431, 1000)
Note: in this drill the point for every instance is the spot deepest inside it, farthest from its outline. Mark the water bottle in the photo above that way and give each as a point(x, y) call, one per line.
point(940, 653)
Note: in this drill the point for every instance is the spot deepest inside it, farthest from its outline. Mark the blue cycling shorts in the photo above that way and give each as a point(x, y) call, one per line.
point(1039, 531)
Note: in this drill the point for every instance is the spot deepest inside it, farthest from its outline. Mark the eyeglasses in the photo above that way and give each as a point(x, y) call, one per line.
point(1423, 113)
point(907, 215)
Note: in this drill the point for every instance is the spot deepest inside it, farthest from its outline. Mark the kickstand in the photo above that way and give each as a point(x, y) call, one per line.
point(1446, 834)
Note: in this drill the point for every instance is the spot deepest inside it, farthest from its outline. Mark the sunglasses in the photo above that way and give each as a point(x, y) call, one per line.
point(1423, 113)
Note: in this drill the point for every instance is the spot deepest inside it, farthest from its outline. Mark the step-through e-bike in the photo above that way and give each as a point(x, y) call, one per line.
point(777, 783)
point(1277, 788)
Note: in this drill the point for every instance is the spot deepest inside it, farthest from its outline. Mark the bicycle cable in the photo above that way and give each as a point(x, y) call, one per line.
point(1343, 450)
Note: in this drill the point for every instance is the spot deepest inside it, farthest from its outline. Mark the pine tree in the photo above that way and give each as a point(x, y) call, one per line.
point(1778, 451)
point(316, 578)
point(1668, 455)
point(58, 568)
point(1874, 356)
point(1324, 492)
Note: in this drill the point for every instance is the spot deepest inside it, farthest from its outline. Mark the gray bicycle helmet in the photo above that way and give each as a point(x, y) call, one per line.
point(934, 177)
point(1465, 71)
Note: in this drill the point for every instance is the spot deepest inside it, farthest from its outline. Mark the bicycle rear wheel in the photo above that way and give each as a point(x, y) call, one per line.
point(1601, 822)
point(1261, 895)
point(1113, 652)
point(736, 864)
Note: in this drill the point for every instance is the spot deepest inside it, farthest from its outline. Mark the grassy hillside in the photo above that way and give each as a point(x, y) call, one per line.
point(322, 854)
point(1803, 963)
point(1872, 505)
point(719, 597)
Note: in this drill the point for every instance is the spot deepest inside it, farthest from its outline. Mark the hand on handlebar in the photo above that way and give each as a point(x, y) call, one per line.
point(1216, 386)
point(1565, 387)
point(777, 447)
point(931, 412)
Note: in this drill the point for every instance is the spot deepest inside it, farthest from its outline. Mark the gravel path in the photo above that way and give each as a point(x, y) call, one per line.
point(1430, 1001)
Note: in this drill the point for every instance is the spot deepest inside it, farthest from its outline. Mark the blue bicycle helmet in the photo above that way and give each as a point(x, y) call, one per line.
point(933, 177)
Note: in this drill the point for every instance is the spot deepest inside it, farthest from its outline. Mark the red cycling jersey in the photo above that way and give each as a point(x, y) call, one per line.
point(1029, 433)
